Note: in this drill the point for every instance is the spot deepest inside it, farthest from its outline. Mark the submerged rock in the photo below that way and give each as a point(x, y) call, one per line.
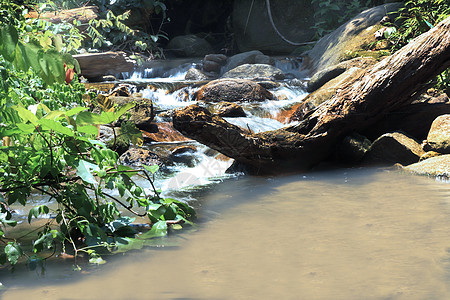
point(255, 71)
point(438, 166)
point(232, 90)
point(438, 138)
point(391, 148)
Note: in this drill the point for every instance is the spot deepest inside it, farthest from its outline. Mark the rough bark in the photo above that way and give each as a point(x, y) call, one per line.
point(360, 103)
point(83, 15)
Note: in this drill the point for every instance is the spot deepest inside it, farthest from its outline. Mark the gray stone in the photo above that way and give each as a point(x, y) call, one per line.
point(189, 46)
point(438, 166)
point(240, 59)
point(352, 148)
point(438, 138)
point(196, 75)
point(332, 48)
point(255, 71)
point(391, 148)
point(138, 157)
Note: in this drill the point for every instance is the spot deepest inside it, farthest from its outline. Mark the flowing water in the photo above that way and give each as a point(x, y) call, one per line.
point(346, 234)
point(343, 234)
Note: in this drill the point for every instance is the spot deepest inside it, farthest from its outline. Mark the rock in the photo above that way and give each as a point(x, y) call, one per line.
point(95, 65)
point(196, 75)
point(414, 119)
point(253, 30)
point(229, 109)
point(438, 138)
point(138, 157)
point(241, 59)
point(391, 148)
point(438, 166)
point(110, 136)
point(255, 71)
point(214, 62)
point(428, 155)
point(189, 46)
point(323, 76)
point(263, 59)
point(349, 37)
point(141, 114)
point(100, 86)
point(352, 148)
point(166, 133)
point(232, 90)
point(211, 66)
point(324, 93)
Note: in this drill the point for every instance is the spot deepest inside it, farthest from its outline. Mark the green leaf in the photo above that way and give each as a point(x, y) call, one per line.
point(13, 252)
point(152, 169)
point(56, 126)
point(25, 114)
point(75, 111)
point(84, 170)
point(8, 41)
point(36, 211)
point(159, 229)
point(26, 128)
point(89, 129)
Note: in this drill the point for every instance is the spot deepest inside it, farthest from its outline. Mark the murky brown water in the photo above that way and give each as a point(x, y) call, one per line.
point(336, 235)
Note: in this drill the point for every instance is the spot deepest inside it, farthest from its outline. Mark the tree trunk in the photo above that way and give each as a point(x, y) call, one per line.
point(360, 103)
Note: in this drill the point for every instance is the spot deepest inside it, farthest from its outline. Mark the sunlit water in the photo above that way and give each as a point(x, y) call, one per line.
point(346, 234)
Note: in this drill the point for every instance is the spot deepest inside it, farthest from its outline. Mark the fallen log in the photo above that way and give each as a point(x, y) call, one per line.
point(360, 103)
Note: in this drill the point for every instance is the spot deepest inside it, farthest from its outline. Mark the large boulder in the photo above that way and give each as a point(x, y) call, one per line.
point(351, 36)
point(228, 109)
point(323, 93)
point(165, 132)
point(189, 46)
point(250, 57)
point(94, 65)
point(255, 71)
point(141, 114)
point(138, 157)
point(325, 75)
point(253, 30)
point(391, 148)
point(232, 90)
point(438, 139)
point(438, 166)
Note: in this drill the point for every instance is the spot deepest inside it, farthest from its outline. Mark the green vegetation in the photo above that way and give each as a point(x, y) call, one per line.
point(415, 18)
point(49, 147)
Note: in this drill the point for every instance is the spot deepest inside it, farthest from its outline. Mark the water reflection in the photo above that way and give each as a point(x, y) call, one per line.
point(356, 234)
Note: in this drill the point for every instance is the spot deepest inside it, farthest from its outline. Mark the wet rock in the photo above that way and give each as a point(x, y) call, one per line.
point(100, 86)
point(232, 90)
point(166, 133)
point(138, 157)
point(110, 136)
point(95, 65)
point(263, 59)
point(185, 155)
point(189, 46)
point(438, 166)
point(323, 76)
point(229, 109)
point(438, 138)
point(351, 36)
point(391, 148)
point(196, 75)
point(241, 59)
point(252, 28)
point(141, 114)
point(324, 93)
point(352, 148)
point(255, 71)
point(214, 62)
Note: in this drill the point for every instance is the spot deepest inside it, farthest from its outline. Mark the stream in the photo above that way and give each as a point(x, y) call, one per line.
point(362, 233)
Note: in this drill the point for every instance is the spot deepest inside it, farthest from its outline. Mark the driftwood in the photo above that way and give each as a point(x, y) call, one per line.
point(359, 104)
point(83, 15)
point(107, 63)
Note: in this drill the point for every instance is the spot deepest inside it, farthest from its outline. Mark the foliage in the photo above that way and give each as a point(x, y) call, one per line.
point(415, 18)
point(110, 30)
point(330, 14)
point(49, 147)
